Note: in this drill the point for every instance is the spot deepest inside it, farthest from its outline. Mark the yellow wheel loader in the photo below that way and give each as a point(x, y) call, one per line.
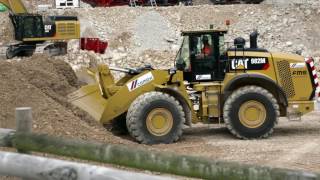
point(37, 33)
point(246, 88)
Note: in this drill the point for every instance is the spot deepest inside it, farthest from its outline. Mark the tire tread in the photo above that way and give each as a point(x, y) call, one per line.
point(241, 91)
point(137, 106)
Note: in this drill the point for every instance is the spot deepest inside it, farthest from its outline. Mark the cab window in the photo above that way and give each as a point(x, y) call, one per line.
point(201, 46)
point(32, 27)
point(202, 53)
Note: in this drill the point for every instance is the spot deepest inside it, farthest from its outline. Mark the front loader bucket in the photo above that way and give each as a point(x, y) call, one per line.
point(89, 99)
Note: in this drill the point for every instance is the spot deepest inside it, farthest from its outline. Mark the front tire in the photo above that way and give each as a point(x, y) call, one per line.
point(251, 112)
point(155, 118)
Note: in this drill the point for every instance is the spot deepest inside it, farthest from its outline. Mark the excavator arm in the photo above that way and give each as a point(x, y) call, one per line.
point(15, 6)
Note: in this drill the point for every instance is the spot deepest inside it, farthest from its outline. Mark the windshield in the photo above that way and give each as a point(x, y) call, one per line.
point(183, 57)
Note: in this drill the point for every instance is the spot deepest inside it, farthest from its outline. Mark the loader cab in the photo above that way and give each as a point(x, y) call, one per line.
point(201, 56)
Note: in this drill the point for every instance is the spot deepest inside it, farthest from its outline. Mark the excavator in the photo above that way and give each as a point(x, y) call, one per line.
point(37, 33)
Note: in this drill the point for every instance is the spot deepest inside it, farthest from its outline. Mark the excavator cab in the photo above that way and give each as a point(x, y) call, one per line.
point(27, 26)
point(201, 56)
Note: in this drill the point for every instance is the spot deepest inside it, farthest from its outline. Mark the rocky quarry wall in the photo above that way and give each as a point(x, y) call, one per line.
point(143, 35)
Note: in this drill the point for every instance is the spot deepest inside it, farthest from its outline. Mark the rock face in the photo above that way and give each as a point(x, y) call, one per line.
point(152, 31)
point(146, 35)
point(142, 35)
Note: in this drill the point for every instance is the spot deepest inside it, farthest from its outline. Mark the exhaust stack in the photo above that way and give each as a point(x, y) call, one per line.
point(254, 39)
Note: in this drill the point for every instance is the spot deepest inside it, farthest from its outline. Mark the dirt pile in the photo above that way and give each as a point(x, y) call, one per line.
point(6, 29)
point(43, 84)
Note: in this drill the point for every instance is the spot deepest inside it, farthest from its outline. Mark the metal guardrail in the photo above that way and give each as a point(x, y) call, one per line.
point(40, 168)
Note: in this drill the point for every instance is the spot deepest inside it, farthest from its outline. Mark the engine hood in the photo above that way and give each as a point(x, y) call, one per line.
point(278, 56)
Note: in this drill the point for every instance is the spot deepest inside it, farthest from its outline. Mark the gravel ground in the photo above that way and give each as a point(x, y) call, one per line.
point(294, 145)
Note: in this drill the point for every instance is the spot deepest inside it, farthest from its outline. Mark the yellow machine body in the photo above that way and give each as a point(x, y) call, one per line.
point(257, 87)
point(65, 30)
point(107, 99)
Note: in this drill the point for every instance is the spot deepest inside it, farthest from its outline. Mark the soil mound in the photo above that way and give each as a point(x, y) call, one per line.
point(43, 84)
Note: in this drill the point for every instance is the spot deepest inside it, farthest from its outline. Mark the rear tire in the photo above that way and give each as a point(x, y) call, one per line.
point(155, 118)
point(251, 112)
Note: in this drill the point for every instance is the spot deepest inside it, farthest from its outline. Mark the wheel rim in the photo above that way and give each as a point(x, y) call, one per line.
point(252, 114)
point(159, 121)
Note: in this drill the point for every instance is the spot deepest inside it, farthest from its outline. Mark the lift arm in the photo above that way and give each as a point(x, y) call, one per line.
point(15, 6)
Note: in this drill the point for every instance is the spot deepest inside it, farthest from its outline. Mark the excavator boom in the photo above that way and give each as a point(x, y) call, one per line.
point(15, 6)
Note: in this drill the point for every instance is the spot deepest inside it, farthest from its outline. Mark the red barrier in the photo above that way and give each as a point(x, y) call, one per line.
point(107, 3)
point(93, 44)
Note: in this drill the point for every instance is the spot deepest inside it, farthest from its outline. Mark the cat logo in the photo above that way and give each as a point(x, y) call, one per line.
point(239, 63)
point(249, 63)
point(47, 28)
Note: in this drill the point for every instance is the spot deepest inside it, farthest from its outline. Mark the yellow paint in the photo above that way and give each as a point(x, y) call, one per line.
point(15, 6)
point(252, 114)
point(159, 121)
point(302, 107)
point(65, 30)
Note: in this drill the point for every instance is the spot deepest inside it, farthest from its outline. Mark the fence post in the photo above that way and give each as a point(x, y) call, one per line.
point(24, 122)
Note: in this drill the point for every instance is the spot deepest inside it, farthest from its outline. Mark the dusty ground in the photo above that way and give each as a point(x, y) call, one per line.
point(294, 145)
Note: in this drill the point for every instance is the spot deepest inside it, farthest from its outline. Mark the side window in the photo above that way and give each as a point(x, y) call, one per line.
point(222, 45)
point(28, 27)
point(183, 58)
point(38, 26)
